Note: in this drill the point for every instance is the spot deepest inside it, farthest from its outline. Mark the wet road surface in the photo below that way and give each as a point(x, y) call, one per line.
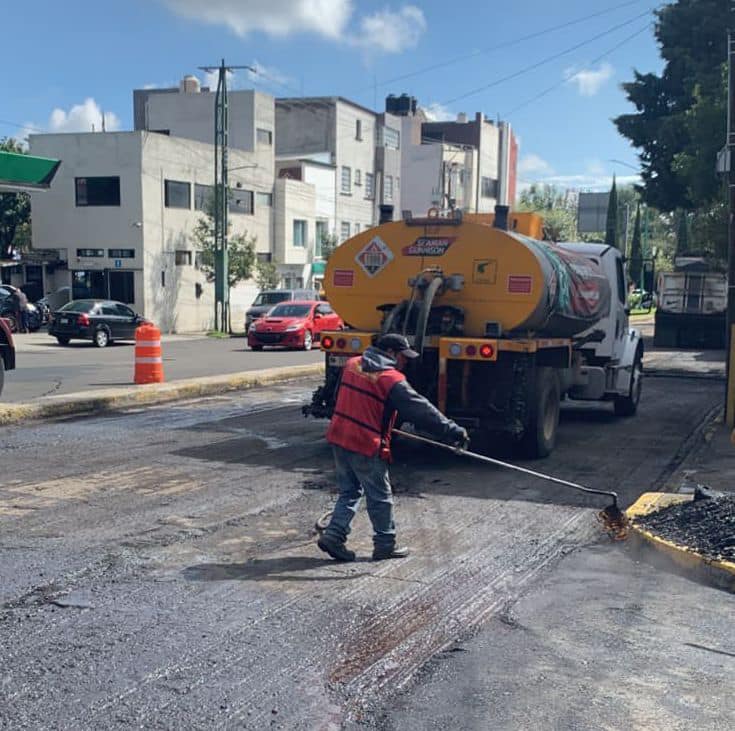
point(158, 567)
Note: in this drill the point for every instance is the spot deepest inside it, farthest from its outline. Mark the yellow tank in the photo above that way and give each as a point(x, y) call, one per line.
point(507, 278)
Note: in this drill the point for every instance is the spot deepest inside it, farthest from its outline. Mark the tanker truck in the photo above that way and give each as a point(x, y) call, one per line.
point(506, 326)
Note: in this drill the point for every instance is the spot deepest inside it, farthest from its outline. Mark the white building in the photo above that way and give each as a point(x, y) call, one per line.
point(121, 214)
point(363, 147)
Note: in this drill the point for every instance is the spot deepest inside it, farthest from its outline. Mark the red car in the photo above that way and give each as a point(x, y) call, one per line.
point(293, 325)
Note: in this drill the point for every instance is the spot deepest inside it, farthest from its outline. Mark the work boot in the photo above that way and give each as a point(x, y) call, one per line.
point(380, 554)
point(336, 549)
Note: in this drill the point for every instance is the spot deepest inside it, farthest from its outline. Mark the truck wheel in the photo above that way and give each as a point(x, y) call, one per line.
point(539, 438)
point(628, 405)
point(2, 373)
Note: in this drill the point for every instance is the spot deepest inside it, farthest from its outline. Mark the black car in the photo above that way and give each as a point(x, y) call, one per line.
point(100, 321)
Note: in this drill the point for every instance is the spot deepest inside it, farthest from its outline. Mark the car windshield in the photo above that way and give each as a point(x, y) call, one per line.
point(290, 311)
point(270, 298)
point(78, 306)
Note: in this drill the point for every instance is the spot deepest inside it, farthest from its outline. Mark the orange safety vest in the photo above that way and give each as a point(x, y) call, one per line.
point(363, 420)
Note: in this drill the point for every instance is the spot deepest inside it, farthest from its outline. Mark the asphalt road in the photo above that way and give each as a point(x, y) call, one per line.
point(45, 368)
point(158, 570)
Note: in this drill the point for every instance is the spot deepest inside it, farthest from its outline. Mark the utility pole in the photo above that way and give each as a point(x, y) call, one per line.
point(730, 156)
point(221, 196)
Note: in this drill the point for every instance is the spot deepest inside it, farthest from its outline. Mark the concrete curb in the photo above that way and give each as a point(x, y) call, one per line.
point(112, 399)
point(711, 571)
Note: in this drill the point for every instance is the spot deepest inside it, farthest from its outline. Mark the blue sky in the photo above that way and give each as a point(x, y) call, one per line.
point(83, 56)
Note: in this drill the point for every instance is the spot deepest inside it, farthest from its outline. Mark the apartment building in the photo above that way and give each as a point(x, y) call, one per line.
point(363, 147)
point(122, 211)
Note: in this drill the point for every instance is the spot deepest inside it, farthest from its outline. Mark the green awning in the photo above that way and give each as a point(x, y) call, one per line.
point(318, 267)
point(20, 173)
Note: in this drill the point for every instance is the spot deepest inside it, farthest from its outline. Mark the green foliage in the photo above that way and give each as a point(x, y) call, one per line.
point(240, 250)
point(266, 275)
point(682, 234)
point(329, 243)
point(636, 251)
point(611, 224)
point(680, 118)
point(15, 212)
point(557, 207)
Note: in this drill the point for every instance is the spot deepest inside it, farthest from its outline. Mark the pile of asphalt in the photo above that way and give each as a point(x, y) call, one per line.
point(706, 524)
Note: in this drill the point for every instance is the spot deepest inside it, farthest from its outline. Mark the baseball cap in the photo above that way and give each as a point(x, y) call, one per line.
point(398, 343)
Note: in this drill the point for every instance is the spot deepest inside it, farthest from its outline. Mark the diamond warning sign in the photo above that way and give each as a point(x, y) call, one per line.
point(374, 257)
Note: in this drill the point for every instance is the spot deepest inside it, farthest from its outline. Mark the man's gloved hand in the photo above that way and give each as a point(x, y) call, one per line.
point(458, 437)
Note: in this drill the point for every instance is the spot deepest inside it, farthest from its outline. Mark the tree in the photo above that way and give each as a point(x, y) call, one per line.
point(680, 118)
point(266, 275)
point(682, 235)
point(611, 224)
point(240, 250)
point(15, 212)
point(636, 251)
point(557, 207)
point(329, 243)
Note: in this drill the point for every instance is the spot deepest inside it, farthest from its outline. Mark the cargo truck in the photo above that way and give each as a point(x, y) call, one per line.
point(506, 326)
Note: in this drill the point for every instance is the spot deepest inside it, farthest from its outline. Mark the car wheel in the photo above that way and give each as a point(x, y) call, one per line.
point(101, 338)
point(62, 341)
point(308, 340)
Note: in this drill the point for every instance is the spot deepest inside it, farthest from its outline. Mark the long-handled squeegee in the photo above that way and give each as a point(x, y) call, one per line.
point(612, 517)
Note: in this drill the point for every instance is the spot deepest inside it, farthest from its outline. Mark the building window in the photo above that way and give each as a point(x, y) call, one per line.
point(358, 129)
point(344, 232)
point(265, 136)
point(177, 194)
point(489, 188)
point(398, 183)
point(264, 256)
point(97, 191)
point(122, 287)
point(369, 185)
point(358, 177)
point(322, 232)
point(299, 233)
point(388, 188)
point(90, 252)
point(389, 137)
point(203, 197)
point(183, 258)
point(357, 228)
point(241, 201)
point(264, 199)
point(346, 179)
point(121, 253)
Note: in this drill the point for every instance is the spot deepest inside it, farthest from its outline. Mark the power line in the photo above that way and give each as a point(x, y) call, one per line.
point(499, 47)
point(564, 81)
point(546, 60)
point(21, 126)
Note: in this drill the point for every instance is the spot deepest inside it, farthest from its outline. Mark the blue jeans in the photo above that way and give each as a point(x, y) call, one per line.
point(358, 475)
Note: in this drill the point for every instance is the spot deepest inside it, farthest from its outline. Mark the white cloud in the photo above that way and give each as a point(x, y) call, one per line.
point(388, 31)
point(82, 118)
point(268, 75)
point(392, 32)
point(279, 18)
point(436, 112)
point(533, 165)
point(589, 81)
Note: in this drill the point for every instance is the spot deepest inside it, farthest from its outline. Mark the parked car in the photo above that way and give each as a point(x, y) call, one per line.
point(270, 297)
point(7, 351)
point(101, 321)
point(293, 325)
point(7, 310)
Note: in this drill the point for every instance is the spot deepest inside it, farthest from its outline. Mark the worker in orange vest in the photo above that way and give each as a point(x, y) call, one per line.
point(373, 390)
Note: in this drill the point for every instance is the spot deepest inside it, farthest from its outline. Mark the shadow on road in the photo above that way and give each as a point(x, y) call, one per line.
point(283, 569)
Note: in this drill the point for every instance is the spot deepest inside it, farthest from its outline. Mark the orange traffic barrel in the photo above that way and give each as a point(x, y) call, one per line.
point(148, 355)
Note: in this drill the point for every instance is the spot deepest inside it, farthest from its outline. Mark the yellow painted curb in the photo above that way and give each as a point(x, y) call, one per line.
point(718, 572)
point(111, 399)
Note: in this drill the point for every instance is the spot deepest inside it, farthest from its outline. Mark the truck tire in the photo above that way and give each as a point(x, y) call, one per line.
point(539, 438)
point(628, 405)
point(2, 373)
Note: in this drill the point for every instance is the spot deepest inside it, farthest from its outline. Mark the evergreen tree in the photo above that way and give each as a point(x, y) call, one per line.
point(611, 224)
point(635, 258)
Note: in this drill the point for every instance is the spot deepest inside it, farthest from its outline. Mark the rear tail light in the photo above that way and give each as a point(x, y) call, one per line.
point(487, 351)
point(341, 343)
point(327, 342)
point(83, 319)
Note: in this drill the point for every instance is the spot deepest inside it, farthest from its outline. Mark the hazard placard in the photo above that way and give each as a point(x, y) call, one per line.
point(374, 256)
point(484, 271)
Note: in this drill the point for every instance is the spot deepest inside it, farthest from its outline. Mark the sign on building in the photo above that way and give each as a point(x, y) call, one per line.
point(592, 212)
